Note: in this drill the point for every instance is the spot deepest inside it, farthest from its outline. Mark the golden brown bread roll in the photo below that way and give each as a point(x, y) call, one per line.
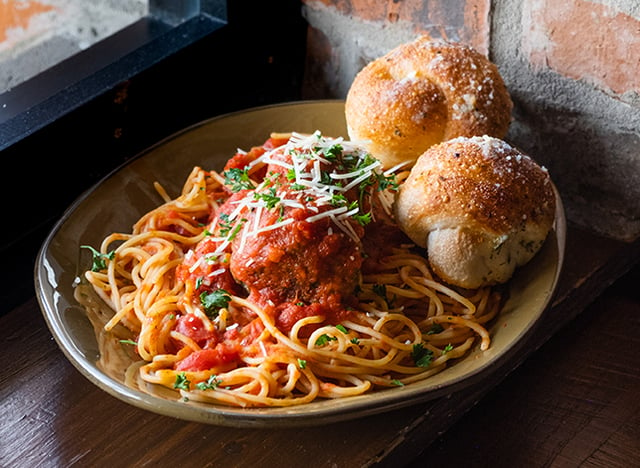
point(479, 206)
point(422, 93)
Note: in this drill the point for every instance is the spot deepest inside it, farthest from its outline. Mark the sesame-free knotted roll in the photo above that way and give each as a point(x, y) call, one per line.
point(422, 93)
point(480, 207)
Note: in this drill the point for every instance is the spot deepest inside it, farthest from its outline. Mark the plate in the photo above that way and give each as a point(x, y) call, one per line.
point(115, 203)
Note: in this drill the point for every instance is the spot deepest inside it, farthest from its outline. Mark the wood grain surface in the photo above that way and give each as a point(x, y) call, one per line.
point(569, 396)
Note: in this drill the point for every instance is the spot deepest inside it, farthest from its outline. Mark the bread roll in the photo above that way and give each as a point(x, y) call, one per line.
point(422, 93)
point(479, 206)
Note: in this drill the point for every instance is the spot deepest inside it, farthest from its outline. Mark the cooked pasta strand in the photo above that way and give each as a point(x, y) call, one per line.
point(226, 346)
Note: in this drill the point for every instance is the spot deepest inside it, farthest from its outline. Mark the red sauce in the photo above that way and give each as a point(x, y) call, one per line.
point(220, 356)
point(302, 263)
point(242, 159)
point(171, 220)
point(192, 327)
point(288, 313)
point(306, 268)
point(218, 349)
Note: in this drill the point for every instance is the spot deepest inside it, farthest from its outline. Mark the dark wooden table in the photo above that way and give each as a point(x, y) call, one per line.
point(569, 397)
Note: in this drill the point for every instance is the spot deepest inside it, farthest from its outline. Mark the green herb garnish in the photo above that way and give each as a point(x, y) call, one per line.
point(342, 328)
point(270, 199)
point(421, 356)
point(435, 329)
point(324, 339)
point(99, 259)
point(210, 384)
point(238, 179)
point(363, 219)
point(131, 342)
point(213, 301)
point(182, 383)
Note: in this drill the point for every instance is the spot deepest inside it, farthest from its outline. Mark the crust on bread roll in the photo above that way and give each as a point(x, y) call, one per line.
point(480, 207)
point(422, 93)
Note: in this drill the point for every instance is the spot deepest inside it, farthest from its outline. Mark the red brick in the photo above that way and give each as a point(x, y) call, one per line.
point(15, 14)
point(464, 20)
point(477, 25)
point(584, 40)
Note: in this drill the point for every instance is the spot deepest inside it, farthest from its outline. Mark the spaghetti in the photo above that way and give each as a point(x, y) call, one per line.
point(283, 279)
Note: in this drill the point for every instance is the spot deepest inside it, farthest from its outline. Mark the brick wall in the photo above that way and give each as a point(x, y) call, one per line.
point(572, 67)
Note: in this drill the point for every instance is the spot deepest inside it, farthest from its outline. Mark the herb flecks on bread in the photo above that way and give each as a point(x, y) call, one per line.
point(480, 207)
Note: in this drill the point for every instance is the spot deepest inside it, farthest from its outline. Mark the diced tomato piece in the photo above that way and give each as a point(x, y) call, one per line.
point(221, 355)
point(192, 327)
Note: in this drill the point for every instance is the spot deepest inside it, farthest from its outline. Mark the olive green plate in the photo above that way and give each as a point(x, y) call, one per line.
point(122, 197)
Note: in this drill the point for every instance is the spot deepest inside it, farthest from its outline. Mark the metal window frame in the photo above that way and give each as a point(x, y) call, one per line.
point(170, 26)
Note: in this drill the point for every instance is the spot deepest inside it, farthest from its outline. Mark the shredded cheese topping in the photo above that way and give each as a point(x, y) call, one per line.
point(321, 170)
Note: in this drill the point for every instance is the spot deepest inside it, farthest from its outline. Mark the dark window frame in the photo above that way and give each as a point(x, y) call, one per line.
point(170, 26)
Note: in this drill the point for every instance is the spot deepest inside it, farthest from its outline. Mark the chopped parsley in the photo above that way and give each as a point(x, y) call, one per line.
point(363, 219)
point(324, 339)
point(99, 259)
point(422, 357)
point(325, 179)
point(332, 153)
point(387, 182)
point(342, 328)
point(131, 342)
point(270, 198)
point(213, 301)
point(435, 329)
point(229, 228)
point(182, 382)
point(237, 179)
point(210, 384)
point(380, 290)
point(338, 199)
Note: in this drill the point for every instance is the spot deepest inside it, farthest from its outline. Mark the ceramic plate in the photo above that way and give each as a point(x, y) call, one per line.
point(121, 198)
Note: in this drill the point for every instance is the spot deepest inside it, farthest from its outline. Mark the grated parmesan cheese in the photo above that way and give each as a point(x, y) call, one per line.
point(318, 182)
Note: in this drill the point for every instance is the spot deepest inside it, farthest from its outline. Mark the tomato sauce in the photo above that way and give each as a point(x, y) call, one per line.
point(192, 327)
point(302, 269)
point(221, 356)
point(242, 159)
point(302, 263)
